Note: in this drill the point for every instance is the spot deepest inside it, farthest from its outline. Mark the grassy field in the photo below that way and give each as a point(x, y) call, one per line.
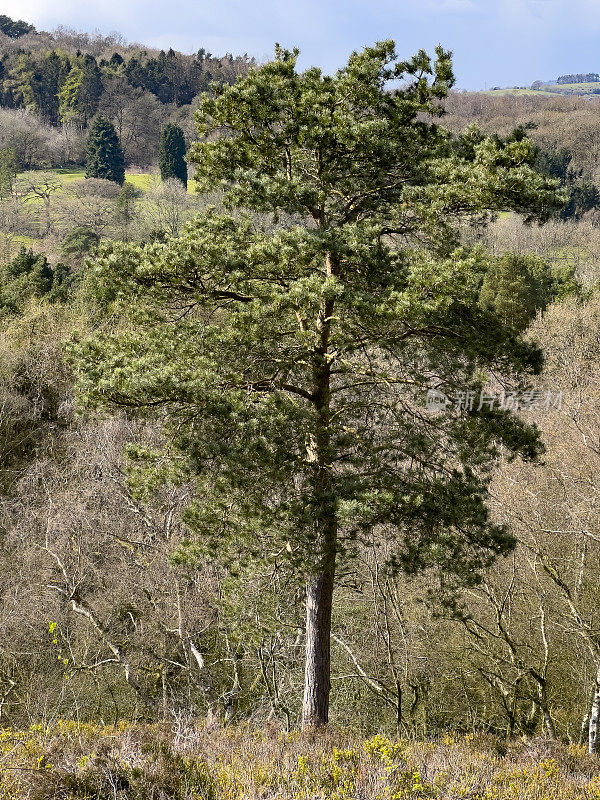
point(550, 90)
point(69, 175)
point(141, 180)
point(573, 88)
point(503, 92)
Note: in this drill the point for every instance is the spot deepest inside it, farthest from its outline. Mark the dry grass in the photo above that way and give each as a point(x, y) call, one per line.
point(193, 761)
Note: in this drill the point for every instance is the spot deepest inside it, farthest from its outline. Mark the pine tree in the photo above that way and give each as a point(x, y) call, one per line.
point(171, 154)
point(290, 345)
point(104, 157)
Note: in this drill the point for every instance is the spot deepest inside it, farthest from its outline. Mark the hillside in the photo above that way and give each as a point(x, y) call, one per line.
point(567, 85)
point(53, 84)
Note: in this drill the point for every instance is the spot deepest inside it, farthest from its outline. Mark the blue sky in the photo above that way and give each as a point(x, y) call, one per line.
point(495, 42)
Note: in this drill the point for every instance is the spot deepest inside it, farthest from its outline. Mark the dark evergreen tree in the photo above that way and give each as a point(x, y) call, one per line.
point(171, 154)
point(30, 275)
point(79, 241)
point(104, 155)
point(554, 163)
point(116, 60)
point(14, 28)
point(580, 195)
point(48, 73)
point(584, 197)
point(517, 286)
point(91, 87)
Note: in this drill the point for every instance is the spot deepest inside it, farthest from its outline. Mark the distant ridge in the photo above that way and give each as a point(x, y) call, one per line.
point(573, 84)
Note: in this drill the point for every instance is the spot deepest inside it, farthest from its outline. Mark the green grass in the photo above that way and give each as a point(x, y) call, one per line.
point(579, 88)
point(141, 180)
point(11, 245)
point(503, 92)
point(27, 241)
point(144, 181)
point(69, 175)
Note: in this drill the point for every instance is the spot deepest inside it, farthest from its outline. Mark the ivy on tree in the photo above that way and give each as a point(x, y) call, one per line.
point(171, 154)
point(104, 157)
point(289, 343)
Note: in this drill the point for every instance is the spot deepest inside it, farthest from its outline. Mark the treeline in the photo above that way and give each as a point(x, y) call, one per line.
point(57, 83)
point(62, 87)
point(590, 77)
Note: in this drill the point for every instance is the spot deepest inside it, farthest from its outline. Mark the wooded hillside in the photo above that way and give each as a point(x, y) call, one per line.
point(299, 422)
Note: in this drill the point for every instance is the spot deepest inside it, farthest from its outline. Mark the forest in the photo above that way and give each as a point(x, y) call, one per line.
point(299, 428)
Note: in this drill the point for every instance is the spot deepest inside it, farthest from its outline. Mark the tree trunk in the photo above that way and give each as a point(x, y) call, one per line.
point(47, 215)
point(319, 591)
point(317, 682)
point(585, 730)
point(594, 713)
point(549, 723)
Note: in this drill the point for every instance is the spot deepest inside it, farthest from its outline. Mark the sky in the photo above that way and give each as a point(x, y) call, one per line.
point(495, 42)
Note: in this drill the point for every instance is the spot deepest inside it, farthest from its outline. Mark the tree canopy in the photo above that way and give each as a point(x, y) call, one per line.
point(29, 275)
point(517, 286)
point(14, 28)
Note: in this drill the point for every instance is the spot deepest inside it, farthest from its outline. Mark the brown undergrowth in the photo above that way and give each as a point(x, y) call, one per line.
point(200, 761)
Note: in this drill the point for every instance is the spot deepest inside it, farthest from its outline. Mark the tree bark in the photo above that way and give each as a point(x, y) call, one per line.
point(319, 590)
point(317, 680)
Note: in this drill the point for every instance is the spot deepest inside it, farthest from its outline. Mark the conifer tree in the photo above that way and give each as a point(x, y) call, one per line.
point(171, 154)
point(104, 157)
point(290, 345)
point(30, 275)
point(517, 286)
